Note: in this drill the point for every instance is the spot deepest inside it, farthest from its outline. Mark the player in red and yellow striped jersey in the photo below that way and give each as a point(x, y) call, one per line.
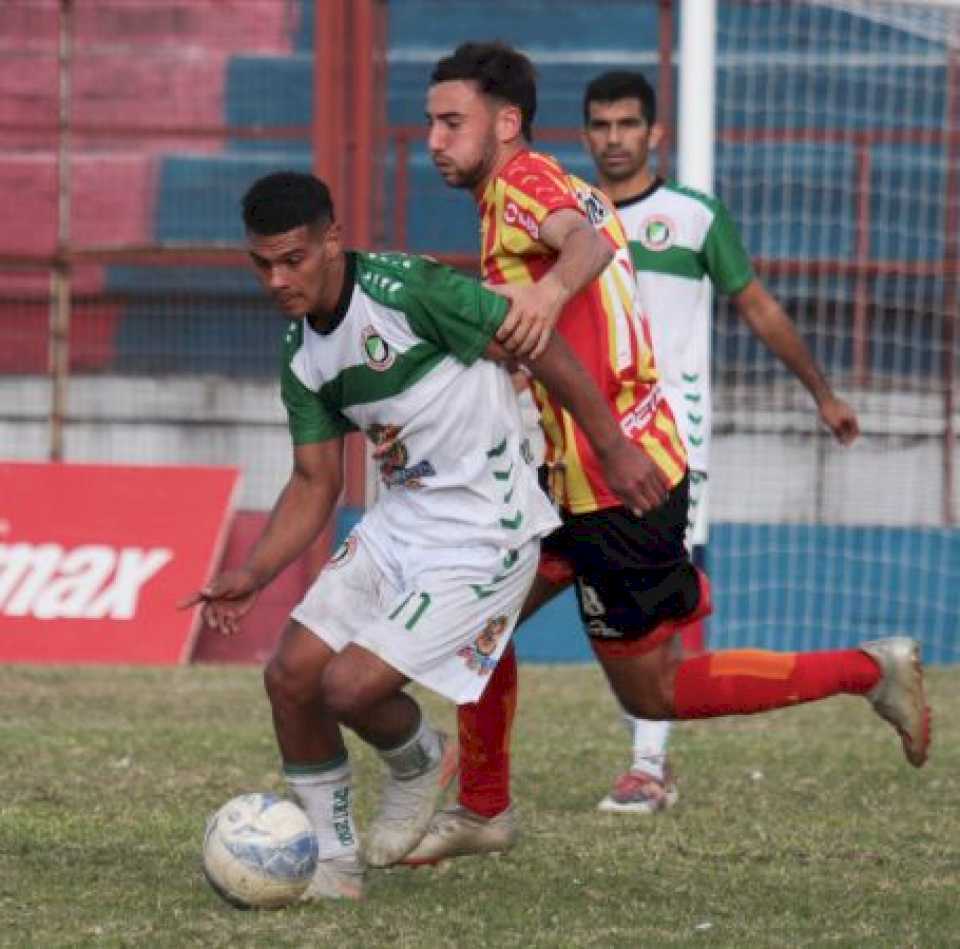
point(602, 322)
point(548, 246)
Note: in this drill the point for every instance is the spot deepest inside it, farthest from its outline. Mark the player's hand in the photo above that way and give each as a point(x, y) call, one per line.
point(840, 418)
point(496, 353)
point(633, 477)
point(225, 599)
point(534, 311)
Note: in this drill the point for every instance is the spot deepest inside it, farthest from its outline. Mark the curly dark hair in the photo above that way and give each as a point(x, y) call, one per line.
point(499, 70)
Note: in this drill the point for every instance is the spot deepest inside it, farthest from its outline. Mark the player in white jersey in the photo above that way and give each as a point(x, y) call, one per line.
point(682, 241)
point(429, 585)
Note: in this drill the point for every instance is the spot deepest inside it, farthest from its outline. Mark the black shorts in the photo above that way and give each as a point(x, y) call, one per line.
point(632, 573)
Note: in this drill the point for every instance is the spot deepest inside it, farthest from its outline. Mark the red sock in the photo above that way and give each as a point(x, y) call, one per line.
point(485, 741)
point(743, 681)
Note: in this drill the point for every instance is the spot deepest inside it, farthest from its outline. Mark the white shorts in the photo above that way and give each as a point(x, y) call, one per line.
point(446, 630)
point(698, 522)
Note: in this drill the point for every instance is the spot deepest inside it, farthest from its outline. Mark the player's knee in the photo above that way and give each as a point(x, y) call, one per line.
point(644, 686)
point(288, 687)
point(654, 706)
point(660, 694)
point(342, 695)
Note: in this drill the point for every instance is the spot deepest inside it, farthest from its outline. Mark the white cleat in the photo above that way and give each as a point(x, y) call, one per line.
point(337, 878)
point(406, 808)
point(899, 696)
point(458, 832)
point(636, 792)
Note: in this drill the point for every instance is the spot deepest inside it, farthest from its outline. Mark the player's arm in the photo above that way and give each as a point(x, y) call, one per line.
point(629, 472)
point(582, 255)
point(767, 319)
point(298, 516)
point(460, 316)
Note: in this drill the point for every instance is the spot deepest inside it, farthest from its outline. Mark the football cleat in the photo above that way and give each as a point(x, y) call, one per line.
point(406, 808)
point(458, 832)
point(637, 792)
point(337, 878)
point(899, 696)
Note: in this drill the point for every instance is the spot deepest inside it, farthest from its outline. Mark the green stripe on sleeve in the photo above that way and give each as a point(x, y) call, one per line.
point(675, 261)
point(358, 385)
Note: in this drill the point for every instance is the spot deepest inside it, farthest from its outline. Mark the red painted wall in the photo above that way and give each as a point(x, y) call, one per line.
point(263, 624)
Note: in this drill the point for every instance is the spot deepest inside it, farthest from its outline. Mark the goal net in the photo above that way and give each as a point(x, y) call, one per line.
point(838, 153)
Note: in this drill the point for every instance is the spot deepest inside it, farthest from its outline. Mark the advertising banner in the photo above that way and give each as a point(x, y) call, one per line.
point(93, 559)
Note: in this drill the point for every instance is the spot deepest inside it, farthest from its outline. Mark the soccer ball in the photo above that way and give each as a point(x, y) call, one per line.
point(259, 851)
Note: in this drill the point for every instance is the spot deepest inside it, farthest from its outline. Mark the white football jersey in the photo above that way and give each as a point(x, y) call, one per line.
point(680, 239)
point(400, 362)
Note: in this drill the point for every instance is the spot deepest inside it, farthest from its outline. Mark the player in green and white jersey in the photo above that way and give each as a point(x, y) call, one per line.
point(429, 585)
point(681, 242)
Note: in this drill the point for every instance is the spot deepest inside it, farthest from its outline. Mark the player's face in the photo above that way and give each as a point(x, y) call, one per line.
point(295, 266)
point(462, 136)
point(619, 138)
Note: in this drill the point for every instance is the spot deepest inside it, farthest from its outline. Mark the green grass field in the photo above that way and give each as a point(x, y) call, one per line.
point(803, 828)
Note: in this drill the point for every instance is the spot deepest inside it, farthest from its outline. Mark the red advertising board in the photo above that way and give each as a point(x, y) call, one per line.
point(93, 559)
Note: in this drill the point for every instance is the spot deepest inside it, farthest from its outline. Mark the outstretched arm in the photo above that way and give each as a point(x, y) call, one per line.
point(769, 322)
point(582, 254)
point(299, 515)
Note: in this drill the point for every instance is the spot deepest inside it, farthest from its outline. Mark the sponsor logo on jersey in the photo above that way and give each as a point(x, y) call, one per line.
point(658, 232)
point(479, 654)
point(92, 581)
point(377, 354)
point(392, 455)
point(343, 554)
point(597, 212)
point(639, 417)
point(515, 216)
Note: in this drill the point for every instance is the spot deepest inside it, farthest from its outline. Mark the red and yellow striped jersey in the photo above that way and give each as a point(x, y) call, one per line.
point(603, 324)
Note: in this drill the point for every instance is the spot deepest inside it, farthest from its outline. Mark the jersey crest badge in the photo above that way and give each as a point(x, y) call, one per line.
point(377, 354)
point(658, 232)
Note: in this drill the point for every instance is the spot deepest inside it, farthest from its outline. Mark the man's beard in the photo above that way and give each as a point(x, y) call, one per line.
point(469, 178)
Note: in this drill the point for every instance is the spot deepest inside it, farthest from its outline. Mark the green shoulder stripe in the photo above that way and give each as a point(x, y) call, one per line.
point(442, 305)
point(309, 418)
point(675, 261)
point(723, 256)
point(707, 200)
point(358, 385)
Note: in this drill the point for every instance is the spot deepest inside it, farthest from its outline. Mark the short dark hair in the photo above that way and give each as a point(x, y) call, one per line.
point(621, 84)
point(500, 71)
point(285, 200)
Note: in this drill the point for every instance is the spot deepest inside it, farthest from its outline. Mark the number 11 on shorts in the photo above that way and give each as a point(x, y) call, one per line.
point(418, 611)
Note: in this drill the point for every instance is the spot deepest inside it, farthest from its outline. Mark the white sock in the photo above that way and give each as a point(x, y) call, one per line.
point(649, 745)
point(420, 752)
point(325, 791)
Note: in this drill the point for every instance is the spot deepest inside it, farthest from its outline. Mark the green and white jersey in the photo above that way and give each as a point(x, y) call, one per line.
point(679, 239)
point(399, 361)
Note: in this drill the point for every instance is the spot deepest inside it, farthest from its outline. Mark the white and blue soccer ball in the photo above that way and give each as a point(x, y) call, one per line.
point(259, 851)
